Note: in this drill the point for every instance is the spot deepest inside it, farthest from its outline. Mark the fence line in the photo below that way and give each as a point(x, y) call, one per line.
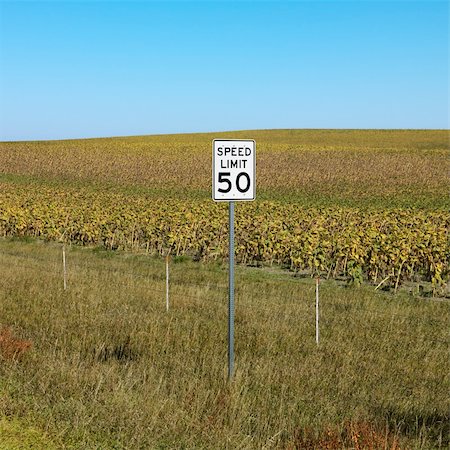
point(330, 308)
point(150, 278)
point(326, 321)
point(86, 265)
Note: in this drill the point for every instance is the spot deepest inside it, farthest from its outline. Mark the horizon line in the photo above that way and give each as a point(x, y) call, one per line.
point(129, 136)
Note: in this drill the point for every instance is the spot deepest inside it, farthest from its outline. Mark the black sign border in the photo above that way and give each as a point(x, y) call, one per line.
point(214, 165)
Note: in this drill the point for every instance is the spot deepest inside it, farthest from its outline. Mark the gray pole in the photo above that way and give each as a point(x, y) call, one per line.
point(231, 295)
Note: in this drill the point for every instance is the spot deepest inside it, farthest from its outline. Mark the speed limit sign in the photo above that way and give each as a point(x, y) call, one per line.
point(234, 169)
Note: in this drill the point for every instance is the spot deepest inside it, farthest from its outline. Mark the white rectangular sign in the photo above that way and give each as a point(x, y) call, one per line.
point(234, 170)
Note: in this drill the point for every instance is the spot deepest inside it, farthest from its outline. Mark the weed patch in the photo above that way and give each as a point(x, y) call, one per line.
point(12, 348)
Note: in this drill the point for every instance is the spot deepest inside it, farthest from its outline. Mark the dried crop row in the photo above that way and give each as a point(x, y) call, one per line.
point(344, 163)
point(396, 244)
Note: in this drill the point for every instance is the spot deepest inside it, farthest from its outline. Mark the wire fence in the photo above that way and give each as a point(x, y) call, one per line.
point(331, 312)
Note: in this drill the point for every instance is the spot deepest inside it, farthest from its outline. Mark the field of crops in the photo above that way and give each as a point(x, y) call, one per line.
point(366, 205)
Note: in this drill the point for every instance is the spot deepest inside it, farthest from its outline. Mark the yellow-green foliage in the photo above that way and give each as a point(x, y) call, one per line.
point(402, 244)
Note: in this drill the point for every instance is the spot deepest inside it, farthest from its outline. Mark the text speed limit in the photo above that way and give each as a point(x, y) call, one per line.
point(234, 164)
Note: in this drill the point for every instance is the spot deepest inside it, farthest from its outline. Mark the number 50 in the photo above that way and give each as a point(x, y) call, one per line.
point(242, 182)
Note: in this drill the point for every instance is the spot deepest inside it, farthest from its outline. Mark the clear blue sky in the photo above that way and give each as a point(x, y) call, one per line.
point(87, 69)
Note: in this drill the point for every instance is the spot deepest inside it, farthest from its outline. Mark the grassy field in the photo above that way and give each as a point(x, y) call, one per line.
point(108, 367)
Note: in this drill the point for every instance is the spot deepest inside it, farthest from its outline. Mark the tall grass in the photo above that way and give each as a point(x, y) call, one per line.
point(109, 368)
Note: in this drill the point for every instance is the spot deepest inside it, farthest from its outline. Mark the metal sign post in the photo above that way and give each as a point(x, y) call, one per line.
point(317, 310)
point(231, 293)
point(234, 169)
